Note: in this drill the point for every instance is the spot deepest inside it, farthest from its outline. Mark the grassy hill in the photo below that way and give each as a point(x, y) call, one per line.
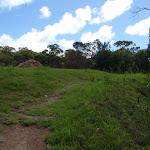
point(96, 110)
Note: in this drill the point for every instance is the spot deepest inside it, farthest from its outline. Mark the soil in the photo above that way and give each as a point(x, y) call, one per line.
point(30, 63)
point(18, 137)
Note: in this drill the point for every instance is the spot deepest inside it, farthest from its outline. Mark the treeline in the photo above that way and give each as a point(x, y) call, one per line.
point(94, 55)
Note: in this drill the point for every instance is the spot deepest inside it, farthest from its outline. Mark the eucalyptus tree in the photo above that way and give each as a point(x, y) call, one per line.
point(54, 56)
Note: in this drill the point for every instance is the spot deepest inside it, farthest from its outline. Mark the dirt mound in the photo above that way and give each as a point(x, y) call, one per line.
point(30, 63)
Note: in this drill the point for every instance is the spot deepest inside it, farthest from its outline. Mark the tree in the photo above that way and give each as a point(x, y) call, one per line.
point(115, 62)
point(6, 55)
point(126, 53)
point(123, 44)
point(54, 56)
point(26, 54)
point(7, 50)
point(125, 60)
point(103, 55)
point(141, 60)
point(127, 45)
point(42, 58)
point(74, 59)
point(18, 57)
point(6, 60)
point(103, 60)
point(78, 45)
point(148, 51)
point(90, 49)
point(99, 46)
point(55, 50)
point(86, 48)
point(138, 9)
point(45, 52)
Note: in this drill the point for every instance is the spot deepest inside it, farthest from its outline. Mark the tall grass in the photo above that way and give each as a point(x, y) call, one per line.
point(23, 86)
point(19, 84)
point(104, 112)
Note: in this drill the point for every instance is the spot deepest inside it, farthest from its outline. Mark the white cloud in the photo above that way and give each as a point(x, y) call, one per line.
point(110, 10)
point(71, 24)
point(104, 34)
point(38, 40)
point(35, 40)
point(114, 8)
point(4, 39)
point(140, 28)
point(96, 20)
point(45, 13)
point(66, 44)
point(13, 3)
point(112, 42)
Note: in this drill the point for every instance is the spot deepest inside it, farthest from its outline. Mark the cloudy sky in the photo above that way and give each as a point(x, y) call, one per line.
point(38, 23)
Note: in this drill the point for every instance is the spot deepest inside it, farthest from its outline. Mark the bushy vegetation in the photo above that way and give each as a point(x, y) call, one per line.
point(95, 55)
point(103, 111)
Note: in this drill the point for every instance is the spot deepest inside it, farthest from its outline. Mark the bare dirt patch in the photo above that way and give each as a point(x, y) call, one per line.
point(17, 137)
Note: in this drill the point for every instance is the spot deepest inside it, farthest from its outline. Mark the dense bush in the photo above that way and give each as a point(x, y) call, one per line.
point(94, 55)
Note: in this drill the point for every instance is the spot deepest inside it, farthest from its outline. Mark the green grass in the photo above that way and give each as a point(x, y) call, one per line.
point(28, 122)
point(23, 86)
point(104, 112)
point(1, 130)
point(11, 121)
point(44, 123)
point(38, 112)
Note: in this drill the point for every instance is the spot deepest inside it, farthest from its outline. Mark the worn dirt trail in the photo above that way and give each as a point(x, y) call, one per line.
point(18, 137)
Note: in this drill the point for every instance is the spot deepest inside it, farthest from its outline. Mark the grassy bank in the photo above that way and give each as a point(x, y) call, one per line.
point(108, 112)
point(22, 86)
point(105, 111)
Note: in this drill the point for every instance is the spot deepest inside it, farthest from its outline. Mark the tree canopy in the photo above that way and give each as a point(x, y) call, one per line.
point(92, 55)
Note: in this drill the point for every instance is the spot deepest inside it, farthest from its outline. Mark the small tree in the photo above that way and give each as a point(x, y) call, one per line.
point(74, 59)
point(55, 50)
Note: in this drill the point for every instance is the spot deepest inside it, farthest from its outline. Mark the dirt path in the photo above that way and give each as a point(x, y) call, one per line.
point(18, 137)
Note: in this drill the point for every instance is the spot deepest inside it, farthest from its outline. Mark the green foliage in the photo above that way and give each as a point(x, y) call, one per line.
point(74, 60)
point(28, 122)
point(91, 55)
point(123, 43)
point(1, 130)
point(11, 121)
point(141, 60)
point(29, 100)
point(44, 123)
point(26, 54)
point(42, 58)
point(6, 60)
point(103, 113)
point(37, 112)
point(24, 86)
point(103, 60)
point(54, 49)
point(5, 107)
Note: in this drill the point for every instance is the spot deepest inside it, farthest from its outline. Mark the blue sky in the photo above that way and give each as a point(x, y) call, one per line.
point(38, 23)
